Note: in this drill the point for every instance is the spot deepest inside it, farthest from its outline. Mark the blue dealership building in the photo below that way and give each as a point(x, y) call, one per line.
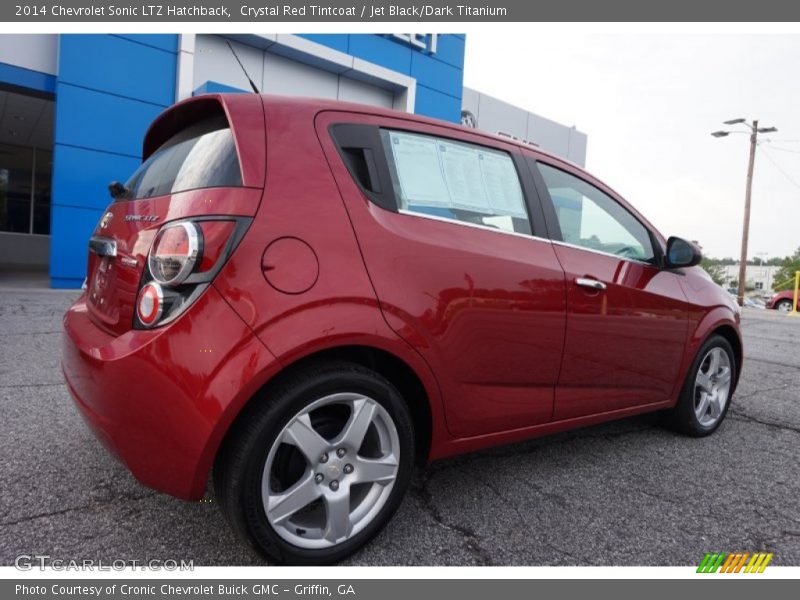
point(74, 109)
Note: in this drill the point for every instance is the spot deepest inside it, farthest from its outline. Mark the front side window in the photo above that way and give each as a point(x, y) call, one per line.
point(590, 218)
point(200, 156)
point(455, 180)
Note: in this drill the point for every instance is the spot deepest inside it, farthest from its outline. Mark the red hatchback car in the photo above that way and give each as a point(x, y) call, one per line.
point(310, 297)
point(782, 301)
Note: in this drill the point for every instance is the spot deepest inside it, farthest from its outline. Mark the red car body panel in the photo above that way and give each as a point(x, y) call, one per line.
point(504, 346)
point(112, 284)
point(623, 345)
point(155, 398)
point(784, 295)
point(710, 309)
point(471, 295)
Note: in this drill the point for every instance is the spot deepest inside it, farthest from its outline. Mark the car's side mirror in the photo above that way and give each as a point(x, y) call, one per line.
point(681, 253)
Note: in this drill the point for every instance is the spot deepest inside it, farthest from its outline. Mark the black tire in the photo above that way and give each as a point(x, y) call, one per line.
point(682, 417)
point(779, 306)
point(242, 458)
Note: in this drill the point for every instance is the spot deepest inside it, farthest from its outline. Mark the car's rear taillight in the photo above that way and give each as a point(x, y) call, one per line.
point(150, 304)
point(183, 259)
point(175, 252)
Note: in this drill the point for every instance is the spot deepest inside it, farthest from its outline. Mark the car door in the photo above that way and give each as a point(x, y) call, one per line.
point(627, 319)
point(456, 252)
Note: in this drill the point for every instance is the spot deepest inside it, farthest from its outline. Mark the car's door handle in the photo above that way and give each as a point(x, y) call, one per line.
point(590, 283)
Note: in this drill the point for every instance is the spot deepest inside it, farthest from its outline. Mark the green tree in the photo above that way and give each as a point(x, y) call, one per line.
point(784, 278)
point(714, 269)
point(774, 261)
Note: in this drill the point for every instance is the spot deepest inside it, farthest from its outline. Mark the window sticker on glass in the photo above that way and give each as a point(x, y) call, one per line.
point(456, 180)
point(502, 185)
point(462, 171)
point(418, 170)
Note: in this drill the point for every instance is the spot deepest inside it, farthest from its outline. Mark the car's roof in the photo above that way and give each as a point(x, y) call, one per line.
point(309, 107)
point(299, 104)
point(322, 104)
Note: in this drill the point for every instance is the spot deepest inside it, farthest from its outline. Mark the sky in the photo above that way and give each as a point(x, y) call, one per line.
point(648, 104)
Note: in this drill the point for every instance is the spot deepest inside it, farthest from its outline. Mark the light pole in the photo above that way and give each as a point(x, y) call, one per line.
point(754, 131)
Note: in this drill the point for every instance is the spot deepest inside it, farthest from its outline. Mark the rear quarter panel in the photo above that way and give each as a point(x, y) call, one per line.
point(302, 202)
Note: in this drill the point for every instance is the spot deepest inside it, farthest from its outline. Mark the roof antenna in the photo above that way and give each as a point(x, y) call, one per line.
point(252, 85)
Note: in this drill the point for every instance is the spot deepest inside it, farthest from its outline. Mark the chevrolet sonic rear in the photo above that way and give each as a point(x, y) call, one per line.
point(303, 299)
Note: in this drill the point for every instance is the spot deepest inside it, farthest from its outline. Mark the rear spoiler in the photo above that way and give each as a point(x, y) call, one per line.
point(245, 116)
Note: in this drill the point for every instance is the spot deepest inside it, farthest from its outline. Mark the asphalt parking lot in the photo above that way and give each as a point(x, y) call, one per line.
point(626, 493)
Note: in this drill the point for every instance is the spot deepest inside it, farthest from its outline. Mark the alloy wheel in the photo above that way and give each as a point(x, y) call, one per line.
point(712, 387)
point(330, 470)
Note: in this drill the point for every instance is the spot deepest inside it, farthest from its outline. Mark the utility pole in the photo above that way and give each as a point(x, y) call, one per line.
point(746, 225)
point(754, 131)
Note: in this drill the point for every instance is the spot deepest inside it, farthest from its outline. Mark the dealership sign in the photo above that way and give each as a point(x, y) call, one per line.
point(422, 41)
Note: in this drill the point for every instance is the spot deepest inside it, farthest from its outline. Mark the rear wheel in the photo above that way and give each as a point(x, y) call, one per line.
point(707, 391)
point(783, 305)
point(317, 468)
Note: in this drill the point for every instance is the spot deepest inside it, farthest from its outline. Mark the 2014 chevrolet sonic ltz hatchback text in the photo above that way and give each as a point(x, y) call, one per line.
point(307, 298)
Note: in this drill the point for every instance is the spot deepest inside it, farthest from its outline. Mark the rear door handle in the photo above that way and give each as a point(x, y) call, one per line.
point(590, 283)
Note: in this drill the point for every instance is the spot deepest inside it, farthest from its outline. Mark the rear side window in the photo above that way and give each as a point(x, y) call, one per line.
point(201, 156)
point(455, 180)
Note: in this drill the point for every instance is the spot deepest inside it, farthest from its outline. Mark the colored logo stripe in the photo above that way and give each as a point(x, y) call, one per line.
point(731, 560)
point(711, 562)
point(733, 563)
point(758, 563)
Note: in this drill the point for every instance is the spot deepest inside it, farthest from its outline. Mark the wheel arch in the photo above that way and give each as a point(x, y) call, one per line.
point(381, 361)
point(721, 321)
point(728, 332)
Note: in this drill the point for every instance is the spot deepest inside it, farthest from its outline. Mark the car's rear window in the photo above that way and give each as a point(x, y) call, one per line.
point(201, 156)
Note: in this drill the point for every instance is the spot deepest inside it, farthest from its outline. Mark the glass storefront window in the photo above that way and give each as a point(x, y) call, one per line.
point(26, 162)
point(16, 168)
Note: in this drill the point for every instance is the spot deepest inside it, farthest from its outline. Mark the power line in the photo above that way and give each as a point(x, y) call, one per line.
point(777, 166)
point(782, 141)
point(785, 150)
point(770, 141)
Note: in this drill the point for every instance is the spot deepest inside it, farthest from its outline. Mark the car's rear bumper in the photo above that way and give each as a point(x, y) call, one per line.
point(161, 400)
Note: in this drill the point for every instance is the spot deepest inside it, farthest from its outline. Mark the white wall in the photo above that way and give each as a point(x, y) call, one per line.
point(276, 74)
point(37, 52)
point(754, 274)
point(496, 116)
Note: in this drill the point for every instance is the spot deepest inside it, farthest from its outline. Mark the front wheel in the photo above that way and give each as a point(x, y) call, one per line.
point(707, 391)
point(783, 306)
point(316, 469)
